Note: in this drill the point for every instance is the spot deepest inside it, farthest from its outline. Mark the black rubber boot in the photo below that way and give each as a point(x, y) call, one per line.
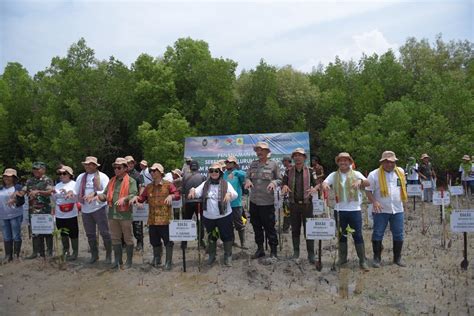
point(17, 248)
point(377, 248)
point(128, 263)
point(296, 248)
point(94, 251)
point(342, 253)
point(228, 253)
point(157, 253)
point(397, 253)
point(259, 253)
point(242, 239)
point(273, 251)
point(169, 256)
point(65, 242)
point(75, 250)
point(212, 251)
point(8, 246)
point(118, 256)
point(360, 249)
point(310, 249)
point(108, 251)
point(35, 242)
point(49, 245)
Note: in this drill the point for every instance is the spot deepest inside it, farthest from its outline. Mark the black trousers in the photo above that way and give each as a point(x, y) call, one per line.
point(224, 224)
point(138, 230)
point(70, 224)
point(298, 215)
point(262, 218)
point(189, 210)
point(158, 233)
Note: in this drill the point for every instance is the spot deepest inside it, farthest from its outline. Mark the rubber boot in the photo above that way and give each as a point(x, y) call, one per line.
point(94, 251)
point(65, 242)
point(242, 239)
point(273, 251)
point(228, 253)
point(49, 245)
point(397, 253)
point(128, 263)
point(169, 257)
point(118, 256)
point(108, 251)
point(259, 253)
point(17, 248)
point(212, 251)
point(75, 250)
point(360, 249)
point(34, 254)
point(342, 253)
point(377, 247)
point(157, 253)
point(139, 244)
point(296, 248)
point(8, 246)
point(310, 249)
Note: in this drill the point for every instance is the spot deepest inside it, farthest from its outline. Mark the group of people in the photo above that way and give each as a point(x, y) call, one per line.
point(215, 200)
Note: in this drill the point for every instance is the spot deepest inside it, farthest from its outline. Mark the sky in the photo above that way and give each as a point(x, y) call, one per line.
point(302, 34)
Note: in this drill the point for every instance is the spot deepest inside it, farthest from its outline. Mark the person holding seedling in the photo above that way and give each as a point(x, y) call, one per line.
point(347, 184)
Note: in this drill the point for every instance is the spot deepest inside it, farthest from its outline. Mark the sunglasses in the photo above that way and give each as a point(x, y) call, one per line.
point(118, 168)
point(154, 170)
point(62, 173)
point(212, 170)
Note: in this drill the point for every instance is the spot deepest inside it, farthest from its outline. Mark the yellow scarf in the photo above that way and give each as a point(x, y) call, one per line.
point(384, 187)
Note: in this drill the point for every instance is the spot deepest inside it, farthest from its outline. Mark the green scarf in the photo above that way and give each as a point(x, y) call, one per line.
point(343, 192)
point(466, 166)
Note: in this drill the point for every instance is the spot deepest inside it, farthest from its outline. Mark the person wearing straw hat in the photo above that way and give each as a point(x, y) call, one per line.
point(466, 170)
point(39, 189)
point(11, 214)
point(89, 184)
point(427, 173)
point(66, 212)
point(263, 177)
point(298, 183)
point(137, 225)
point(159, 195)
point(347, 184)
point(236, 178)
point(118, 193)
point(387, 192)
point(216, 195)
point(145, 173)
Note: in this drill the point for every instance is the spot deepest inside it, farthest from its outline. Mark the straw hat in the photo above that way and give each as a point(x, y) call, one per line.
point(91, 159)
point(424, 156)
point(466, 157)
point(129, 159)
point(120, 161)
point(231, 158)
point(261, 145)
point(343, 155)
point(388, 155)
point(177, 172)
point(66, 169)
point(159, 167)
point(298, 151)
point(144, 162)
point(10, 173)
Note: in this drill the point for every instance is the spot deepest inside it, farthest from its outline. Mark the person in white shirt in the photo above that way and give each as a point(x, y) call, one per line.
point(145, 173)
point(347, 184)
point(387, 193)
point(412, 171)
point(216, 195)
point(66, 212)
point(88, 185)
point(466, 169)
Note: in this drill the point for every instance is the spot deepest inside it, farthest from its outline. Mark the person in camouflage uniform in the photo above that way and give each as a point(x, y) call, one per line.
point(39, 190)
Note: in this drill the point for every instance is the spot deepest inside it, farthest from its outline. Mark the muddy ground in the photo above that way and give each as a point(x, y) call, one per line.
point(432, 282)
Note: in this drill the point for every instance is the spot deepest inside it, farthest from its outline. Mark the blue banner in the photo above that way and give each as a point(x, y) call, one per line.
point(209, 149)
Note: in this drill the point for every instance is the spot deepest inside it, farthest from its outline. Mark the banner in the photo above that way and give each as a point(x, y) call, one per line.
point(209, 149)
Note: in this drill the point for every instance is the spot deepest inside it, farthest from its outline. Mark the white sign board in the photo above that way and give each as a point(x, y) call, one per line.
point(177, 204)
point(462, 221)
point(42, 224)
point(318, 206)
point(456, 190)
point(414, 189)
point(427, 184)
point(140, 213)
point(320, 228)
point(437, 200)
point(183, 230)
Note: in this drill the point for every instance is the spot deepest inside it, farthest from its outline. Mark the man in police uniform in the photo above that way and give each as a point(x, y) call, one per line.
point(263, 176)
point(39, 190)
